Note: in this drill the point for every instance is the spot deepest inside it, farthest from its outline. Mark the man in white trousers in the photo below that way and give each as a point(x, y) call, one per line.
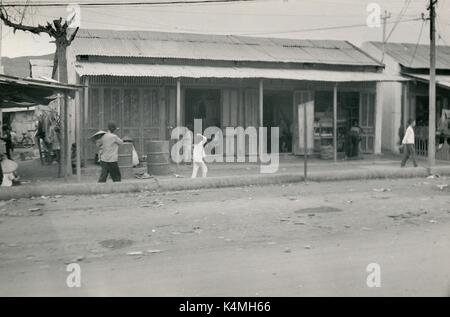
point(198, 156)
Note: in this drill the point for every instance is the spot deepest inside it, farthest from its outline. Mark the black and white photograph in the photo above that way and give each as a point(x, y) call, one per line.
point(236, 150)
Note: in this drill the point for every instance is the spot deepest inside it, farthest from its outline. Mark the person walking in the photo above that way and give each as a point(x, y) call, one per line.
point(7, 138)
point(408, 144)
point(109, 154)
point(199, 155)
point(54, 139)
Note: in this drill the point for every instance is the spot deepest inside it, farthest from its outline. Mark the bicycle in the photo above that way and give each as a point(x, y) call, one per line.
point(26, 142)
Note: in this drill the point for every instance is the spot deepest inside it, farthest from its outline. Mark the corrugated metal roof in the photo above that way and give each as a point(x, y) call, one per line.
point(176, 71)
point(407, 55)
point(26, 92)
point(441, 80)
point(41, 68)
point(217, 47)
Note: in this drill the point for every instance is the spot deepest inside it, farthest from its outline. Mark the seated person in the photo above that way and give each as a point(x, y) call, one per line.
point(8, 172)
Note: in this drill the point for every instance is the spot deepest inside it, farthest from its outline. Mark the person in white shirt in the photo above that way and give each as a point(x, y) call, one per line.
point(109, 154)
point(198, 156)
point(8, 180)
point(408, 144)
point(7, 169)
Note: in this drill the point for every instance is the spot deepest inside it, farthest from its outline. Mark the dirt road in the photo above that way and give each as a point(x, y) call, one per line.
point(292, 240)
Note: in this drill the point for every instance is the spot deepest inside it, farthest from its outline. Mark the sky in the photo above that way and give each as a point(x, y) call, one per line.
point(302, 19)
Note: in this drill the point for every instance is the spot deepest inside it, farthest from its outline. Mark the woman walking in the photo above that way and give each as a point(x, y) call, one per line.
point(408, 144)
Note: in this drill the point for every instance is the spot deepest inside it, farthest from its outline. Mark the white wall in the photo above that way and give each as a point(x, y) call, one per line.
point(391, 97)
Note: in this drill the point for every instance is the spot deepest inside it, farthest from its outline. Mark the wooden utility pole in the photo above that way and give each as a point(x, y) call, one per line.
point(384, 18)
point(1, 37)
point(432, 93)
point(305, 136)
point(335, 130)
point(1, 66)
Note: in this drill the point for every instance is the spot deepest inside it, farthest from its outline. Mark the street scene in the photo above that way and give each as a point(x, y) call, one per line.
point(225, 148)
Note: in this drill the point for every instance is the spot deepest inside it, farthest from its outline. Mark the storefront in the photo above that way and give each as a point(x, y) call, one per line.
point(227, 82)
point(408, 98)
point(418, 108)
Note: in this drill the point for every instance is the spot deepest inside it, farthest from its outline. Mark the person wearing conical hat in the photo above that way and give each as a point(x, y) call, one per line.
point(109, 154)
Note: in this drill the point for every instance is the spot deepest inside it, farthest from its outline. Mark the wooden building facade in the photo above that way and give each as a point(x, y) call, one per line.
point(166, 84)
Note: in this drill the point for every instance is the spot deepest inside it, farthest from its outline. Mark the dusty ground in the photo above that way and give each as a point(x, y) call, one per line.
point(293, 240)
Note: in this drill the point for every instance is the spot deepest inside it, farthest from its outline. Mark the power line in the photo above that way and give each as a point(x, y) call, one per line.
point(141, 26)
point(400, 16)
point(300, 14)
point(418, 41)
point(129, 3)
point(240, 33)
point(337, 27)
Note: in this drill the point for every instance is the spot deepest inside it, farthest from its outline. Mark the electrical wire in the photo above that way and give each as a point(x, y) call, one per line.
point(129, 3)
point(418, 41)
point(337, 27)
point(400, 16)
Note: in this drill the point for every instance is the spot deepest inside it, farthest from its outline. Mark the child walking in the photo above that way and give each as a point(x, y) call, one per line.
point(198, 156)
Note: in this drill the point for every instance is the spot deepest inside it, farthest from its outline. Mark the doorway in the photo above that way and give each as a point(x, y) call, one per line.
point(202, 104)
point(278, 113)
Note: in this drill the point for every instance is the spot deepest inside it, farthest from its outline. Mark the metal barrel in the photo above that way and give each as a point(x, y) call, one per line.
point(126, 160)
point(158, 158)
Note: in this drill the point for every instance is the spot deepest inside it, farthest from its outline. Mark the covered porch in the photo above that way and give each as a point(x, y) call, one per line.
point(25, 93)
point(417, 107)
point(157, 98)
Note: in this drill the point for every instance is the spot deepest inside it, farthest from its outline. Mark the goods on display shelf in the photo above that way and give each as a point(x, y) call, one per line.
point(323, 137)
point(327, 152)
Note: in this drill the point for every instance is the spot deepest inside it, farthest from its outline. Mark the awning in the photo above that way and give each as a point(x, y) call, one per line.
point(184, 71)
point(441, 80)
point(18, 92)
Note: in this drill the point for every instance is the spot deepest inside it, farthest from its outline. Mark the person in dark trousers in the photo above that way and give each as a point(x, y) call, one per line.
point(109, 154)
point(1, 170)
point(408, 144)
point(355, 133)
point(73, 158)
point(8, 141)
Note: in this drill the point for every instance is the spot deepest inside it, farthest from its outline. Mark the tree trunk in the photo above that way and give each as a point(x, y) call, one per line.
point(61, 53)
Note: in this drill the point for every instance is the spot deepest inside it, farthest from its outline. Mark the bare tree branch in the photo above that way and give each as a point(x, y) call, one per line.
point(19, 26)
point(74, 35)
point(58, 30)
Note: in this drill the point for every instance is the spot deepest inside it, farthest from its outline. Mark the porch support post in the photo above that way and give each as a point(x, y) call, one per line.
point(378, 117)
point(86, 116)
point(68, 165)
point(335, 98)
point(261, 103)
point(178, 102)
point(62, 115)
point(78, 134)
point(406, 105)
